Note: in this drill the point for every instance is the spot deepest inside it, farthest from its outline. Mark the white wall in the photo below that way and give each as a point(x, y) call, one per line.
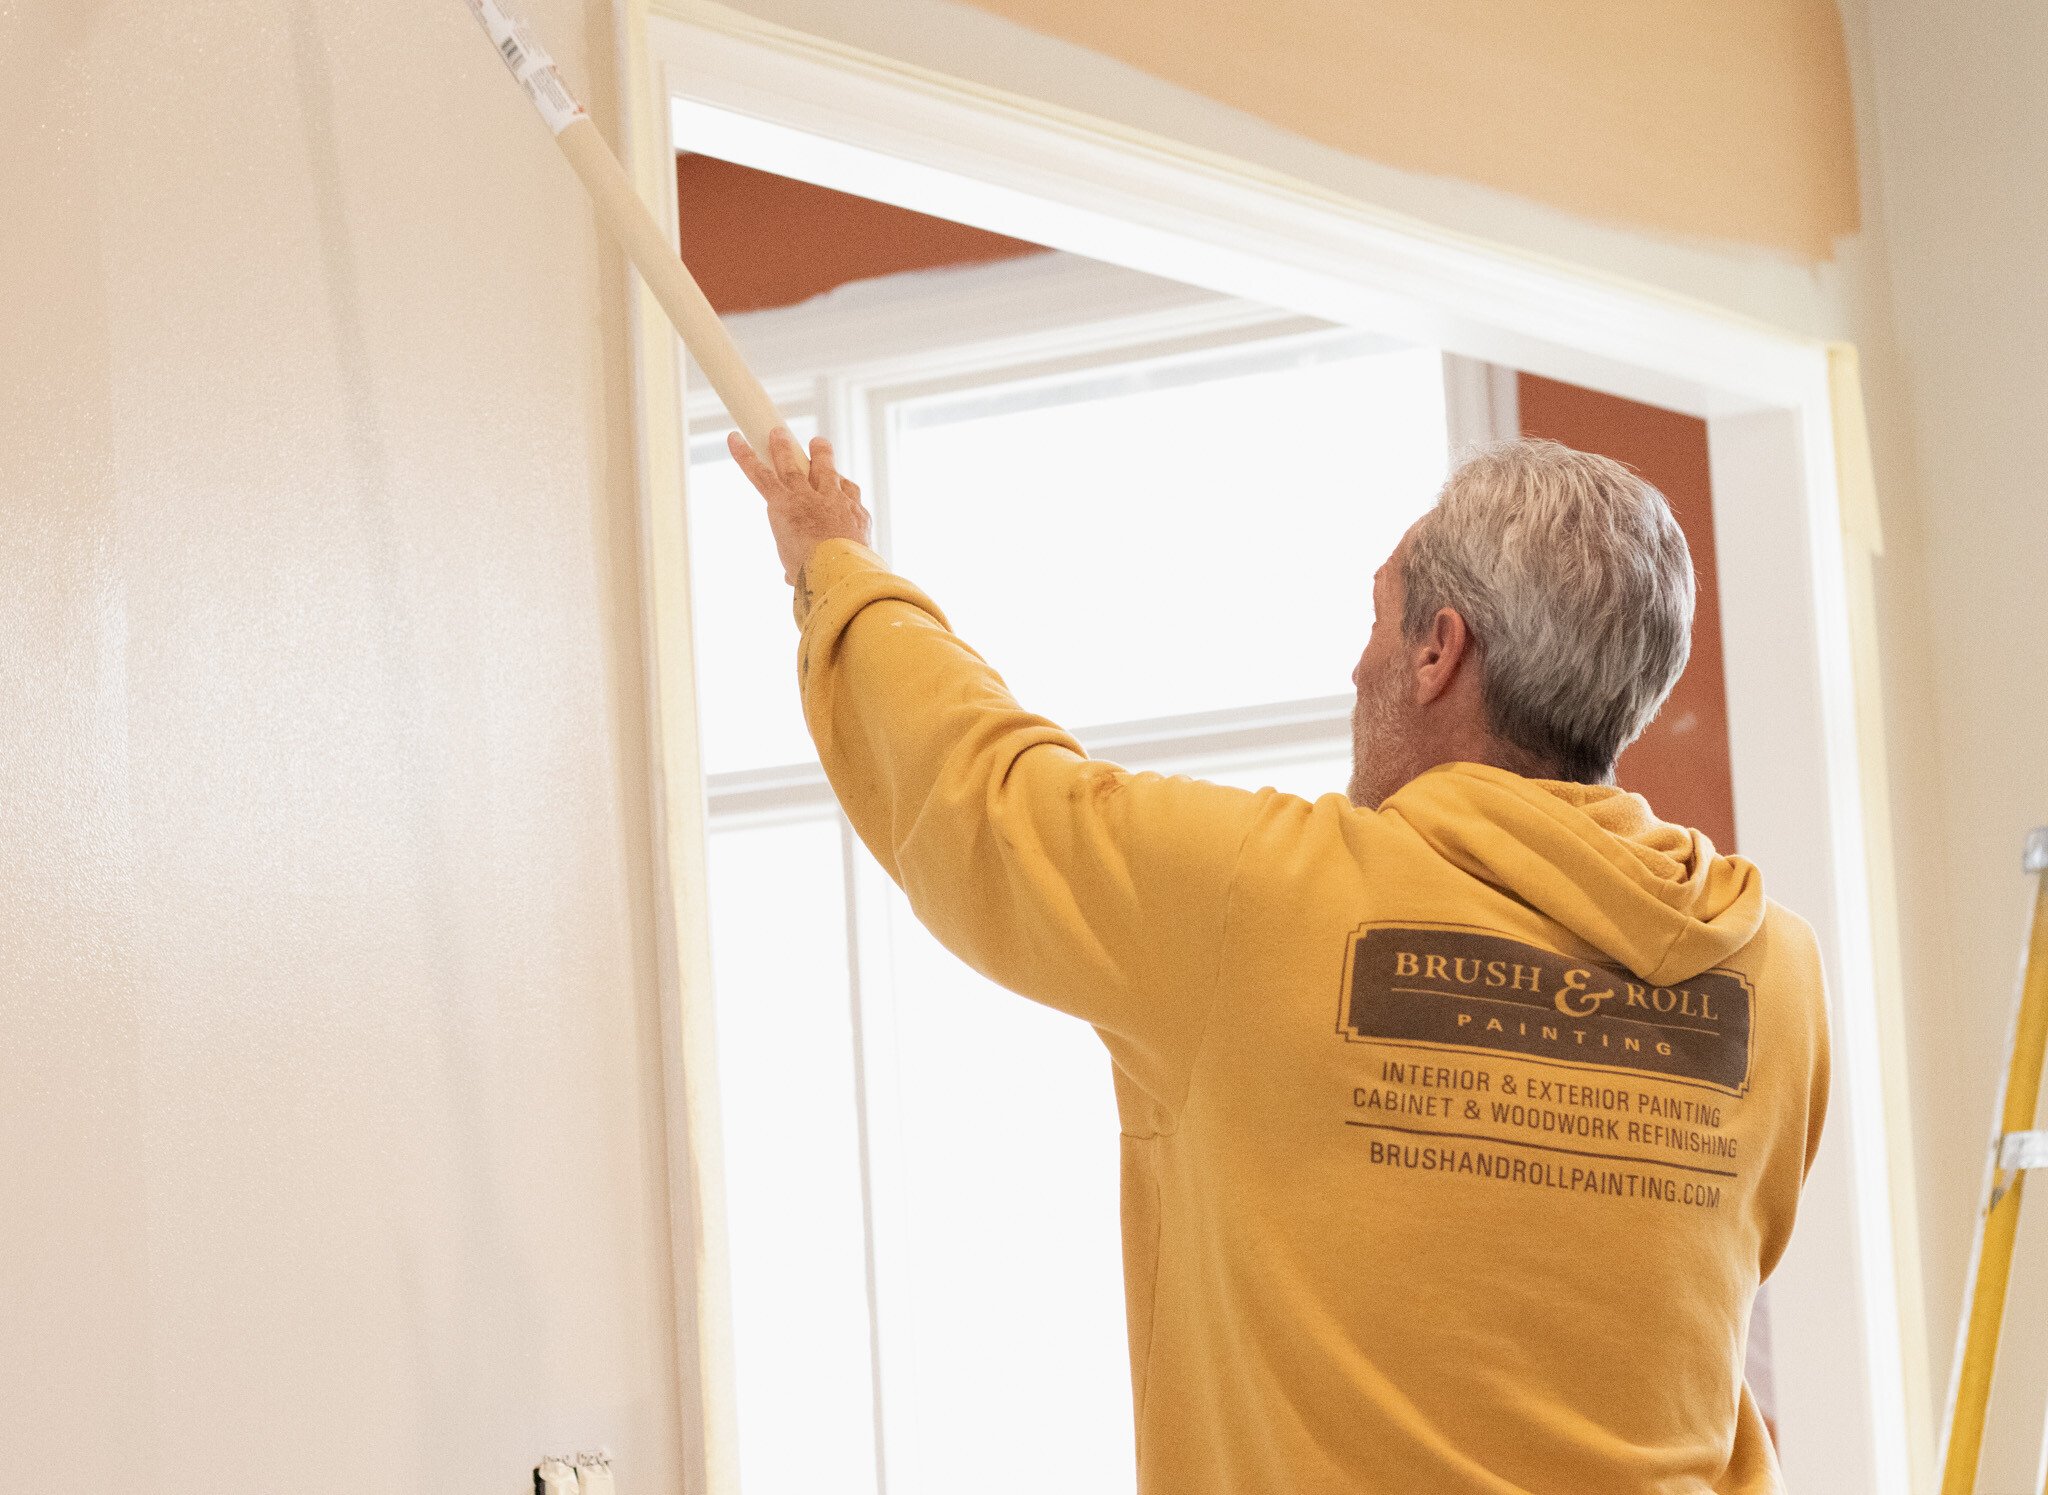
point(1954, 125)
point(330, 1138)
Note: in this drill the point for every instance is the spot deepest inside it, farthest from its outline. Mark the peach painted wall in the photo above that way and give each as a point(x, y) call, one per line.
point(1725, 121)
point(330, 1122)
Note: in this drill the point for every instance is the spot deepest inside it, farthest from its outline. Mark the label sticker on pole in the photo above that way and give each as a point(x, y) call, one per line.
point(531, 65)
point(650, 247)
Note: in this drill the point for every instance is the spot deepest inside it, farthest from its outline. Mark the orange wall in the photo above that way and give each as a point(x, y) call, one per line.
point(1681, 763)
point(734, 231)
point(1725, 120)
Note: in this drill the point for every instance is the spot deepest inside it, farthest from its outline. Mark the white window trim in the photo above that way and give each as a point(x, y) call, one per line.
point(1279, 732)
point(1852, 1366)
point(994, 314)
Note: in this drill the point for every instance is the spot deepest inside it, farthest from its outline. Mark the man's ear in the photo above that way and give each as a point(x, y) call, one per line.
point(1440, 655)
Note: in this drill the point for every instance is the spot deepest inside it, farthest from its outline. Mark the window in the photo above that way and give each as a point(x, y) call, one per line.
point(745, 723)
point(1116, 484)
point(1160, 530)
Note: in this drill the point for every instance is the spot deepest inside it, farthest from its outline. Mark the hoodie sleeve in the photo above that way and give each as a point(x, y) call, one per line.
point(1820, 1072)
point(1096, 891)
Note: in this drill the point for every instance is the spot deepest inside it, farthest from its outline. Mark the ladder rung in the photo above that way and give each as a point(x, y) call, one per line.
point(2017, 1150)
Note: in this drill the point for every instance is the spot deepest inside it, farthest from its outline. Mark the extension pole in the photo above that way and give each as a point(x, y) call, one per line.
point(626, 217)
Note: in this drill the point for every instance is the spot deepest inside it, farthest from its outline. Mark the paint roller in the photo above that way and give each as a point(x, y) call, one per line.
point(626, 217)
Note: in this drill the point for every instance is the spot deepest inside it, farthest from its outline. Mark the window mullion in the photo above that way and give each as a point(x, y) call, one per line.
point(884, 1199)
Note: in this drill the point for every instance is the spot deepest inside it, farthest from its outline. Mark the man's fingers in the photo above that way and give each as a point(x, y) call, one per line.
point(759, 473)
point(823, 469)
point(805, 506)
point(787, 456)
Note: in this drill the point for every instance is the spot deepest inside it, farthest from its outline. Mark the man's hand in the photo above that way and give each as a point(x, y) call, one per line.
point(803, 510)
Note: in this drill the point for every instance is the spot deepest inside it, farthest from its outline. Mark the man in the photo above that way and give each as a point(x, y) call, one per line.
point(1461, 1117)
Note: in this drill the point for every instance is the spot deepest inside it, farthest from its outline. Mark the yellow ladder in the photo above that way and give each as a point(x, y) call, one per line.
point(2015, 1150)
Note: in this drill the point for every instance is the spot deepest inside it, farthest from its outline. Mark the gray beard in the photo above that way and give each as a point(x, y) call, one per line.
point(1376, 771)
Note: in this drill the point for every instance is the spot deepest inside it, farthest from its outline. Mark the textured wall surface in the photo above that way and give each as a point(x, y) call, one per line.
point(1955, 136)
point(329, 1112)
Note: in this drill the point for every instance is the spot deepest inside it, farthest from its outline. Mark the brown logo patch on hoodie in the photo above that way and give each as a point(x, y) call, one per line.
point(1437, 986)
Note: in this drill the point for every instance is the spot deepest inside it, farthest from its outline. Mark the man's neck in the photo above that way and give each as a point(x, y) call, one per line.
point(1484, 747)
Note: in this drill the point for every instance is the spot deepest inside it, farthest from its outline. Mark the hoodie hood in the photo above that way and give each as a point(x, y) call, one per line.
point(1655, 897)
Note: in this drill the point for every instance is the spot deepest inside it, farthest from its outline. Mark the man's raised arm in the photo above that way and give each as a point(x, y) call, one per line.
point(1100, 892)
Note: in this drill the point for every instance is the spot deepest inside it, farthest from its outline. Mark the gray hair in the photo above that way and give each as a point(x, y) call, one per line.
point(1577, 585)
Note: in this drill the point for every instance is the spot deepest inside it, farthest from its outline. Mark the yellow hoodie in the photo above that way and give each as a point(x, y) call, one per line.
point(1457, 1136)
